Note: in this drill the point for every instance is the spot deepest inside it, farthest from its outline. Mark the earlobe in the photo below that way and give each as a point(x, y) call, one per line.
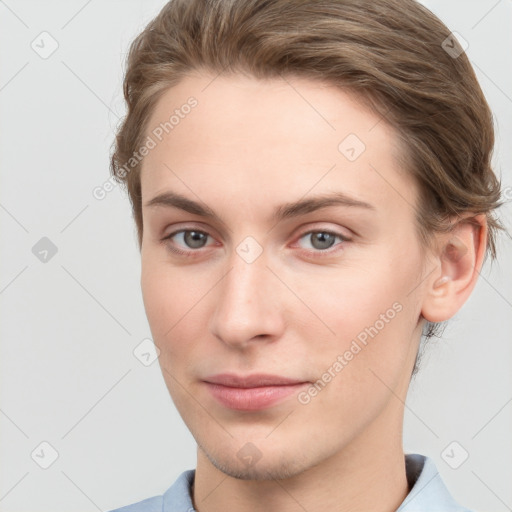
point(457, 266)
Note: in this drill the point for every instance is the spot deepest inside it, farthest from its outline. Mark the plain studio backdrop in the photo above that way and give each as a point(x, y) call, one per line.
point(85, 424)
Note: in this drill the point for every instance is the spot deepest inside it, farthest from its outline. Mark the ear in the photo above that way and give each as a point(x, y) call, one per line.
point(458, 259)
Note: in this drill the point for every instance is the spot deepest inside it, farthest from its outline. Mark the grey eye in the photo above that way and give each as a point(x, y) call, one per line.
point(195, 239)
point(321, 240)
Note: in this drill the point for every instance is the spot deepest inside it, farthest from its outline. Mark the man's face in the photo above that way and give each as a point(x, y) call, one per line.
point(330, 296)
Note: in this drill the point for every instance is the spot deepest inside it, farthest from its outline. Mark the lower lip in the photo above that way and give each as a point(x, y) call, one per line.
point(252, 399)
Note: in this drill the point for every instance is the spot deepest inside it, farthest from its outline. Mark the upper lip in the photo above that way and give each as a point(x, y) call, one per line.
point(251, 381)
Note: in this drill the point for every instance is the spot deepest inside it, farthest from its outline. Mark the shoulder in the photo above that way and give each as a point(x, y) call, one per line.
point(154, 504)
point(177, 497)
point(428, 491)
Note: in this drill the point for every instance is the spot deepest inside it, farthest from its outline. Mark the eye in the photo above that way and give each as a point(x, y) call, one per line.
point(322, 240)
point(190, 238)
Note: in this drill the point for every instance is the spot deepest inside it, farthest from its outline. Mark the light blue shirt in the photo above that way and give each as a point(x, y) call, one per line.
point(428, 492)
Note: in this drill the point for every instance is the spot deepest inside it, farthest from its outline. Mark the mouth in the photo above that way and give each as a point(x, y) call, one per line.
point(252, 392)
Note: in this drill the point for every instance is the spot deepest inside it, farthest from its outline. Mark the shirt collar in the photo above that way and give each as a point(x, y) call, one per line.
point(428, 491)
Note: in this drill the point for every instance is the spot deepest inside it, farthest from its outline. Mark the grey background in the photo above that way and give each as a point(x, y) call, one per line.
point(70, 325)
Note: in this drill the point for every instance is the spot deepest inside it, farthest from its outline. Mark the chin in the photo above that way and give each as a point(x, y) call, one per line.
point(267, 467)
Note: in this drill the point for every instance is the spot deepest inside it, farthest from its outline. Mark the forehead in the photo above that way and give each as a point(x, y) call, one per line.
point(266, 138)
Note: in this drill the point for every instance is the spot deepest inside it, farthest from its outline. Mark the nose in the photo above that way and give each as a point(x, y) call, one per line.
point(248, 304)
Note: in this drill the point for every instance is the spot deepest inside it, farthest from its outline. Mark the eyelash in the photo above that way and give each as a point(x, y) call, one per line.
point(319, 252)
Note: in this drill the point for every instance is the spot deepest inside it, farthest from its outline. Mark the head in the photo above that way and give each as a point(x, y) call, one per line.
point(243, 116)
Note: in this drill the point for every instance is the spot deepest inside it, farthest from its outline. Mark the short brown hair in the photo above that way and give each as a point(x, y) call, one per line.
point(394, 54)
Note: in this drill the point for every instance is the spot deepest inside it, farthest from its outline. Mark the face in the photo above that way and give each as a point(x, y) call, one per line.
point(243, 283)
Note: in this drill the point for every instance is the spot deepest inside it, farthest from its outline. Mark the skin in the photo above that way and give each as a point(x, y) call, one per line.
point(246, 148)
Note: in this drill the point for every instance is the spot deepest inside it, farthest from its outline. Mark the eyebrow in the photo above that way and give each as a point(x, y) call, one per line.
point(282, 212)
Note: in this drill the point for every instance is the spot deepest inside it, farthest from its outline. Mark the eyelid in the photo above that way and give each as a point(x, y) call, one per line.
point(319, 229)
point(166, 240)
point(325, 253)
point(323, 229)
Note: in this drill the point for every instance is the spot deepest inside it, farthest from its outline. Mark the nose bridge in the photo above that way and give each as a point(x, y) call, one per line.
point(246, 298)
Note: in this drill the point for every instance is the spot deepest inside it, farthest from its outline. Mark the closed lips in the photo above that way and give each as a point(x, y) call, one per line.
point(252, 381)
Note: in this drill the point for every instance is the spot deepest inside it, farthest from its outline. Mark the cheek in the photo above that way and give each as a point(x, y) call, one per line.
point(366, 314)
point(357, 368)
point(172, 301)
point(350, 299)
point(157, 297)
point(165, 297)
